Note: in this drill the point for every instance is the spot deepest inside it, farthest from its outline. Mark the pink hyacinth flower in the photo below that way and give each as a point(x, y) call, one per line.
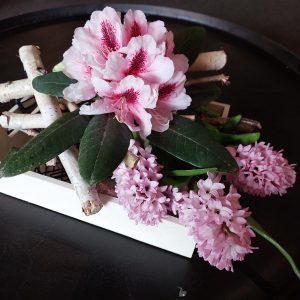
point(138, 188)
point(140, 58)
point(263, 171)
point(128, 99)
point(216, 221)
point(171, 97)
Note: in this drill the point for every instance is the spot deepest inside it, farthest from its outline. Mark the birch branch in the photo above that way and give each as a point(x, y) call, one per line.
point(28, 132)
point(49, 107)
point(209, 61)
point(215, 78)
point(21, 121)
point(71, 106)
point(15, 90)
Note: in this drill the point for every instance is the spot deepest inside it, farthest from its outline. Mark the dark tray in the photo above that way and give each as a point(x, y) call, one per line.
point(46, 255)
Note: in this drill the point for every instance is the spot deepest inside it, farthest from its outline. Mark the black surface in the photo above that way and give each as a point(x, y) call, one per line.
point(44, 255)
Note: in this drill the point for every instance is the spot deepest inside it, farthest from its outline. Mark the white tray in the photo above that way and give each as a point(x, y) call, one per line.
point(60, 197)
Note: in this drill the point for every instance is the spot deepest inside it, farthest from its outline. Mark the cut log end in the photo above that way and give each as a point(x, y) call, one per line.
point(91, 207)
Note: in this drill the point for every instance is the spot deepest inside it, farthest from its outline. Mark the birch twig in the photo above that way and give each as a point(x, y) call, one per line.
point(49, 107)
point(215, 78)
point(71, 106)
point(28, 132)
point(15, 90)
point(21, 121)
point(209, 61)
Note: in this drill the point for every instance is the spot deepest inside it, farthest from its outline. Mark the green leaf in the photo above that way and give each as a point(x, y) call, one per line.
point(52, 141)
point(259, 230)
point(189, 42)
point(191, 172)
point(103, 146)
point(236, 138)
point(192, 143)
point(58, 67)
point(52, 83)
point(203, 94)
point(231, 123)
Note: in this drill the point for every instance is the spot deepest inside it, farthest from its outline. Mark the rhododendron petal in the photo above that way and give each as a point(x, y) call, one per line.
point(116, 66)
point(181, 62)
point(102, 87)
point(169, 43)
point(157, 30)
point(135, 24)
point(99, 107)
point(143, 120)
point(106, 26)
point(80, 91)
point(85, 42)
point(75, 65)
point(160, 71)
point(160, 121)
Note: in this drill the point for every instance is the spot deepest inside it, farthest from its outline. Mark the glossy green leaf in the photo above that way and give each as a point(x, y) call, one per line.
point(192, 143)
point(191, 172)
point(103, 146)
point(52, 83)
point(236, 138)
point(231, 123)
point(189, 42)
point(52, 141)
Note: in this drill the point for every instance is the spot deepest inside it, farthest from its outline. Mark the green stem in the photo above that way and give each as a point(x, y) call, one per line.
point(192, 172)
point(259, 230)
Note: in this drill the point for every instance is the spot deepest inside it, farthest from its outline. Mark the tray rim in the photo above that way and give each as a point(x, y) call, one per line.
point(282, 54)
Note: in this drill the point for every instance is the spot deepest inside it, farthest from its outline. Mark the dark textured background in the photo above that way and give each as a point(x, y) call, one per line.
point(44, 255)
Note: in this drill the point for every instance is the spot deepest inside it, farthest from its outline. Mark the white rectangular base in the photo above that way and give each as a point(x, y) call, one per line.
point(60, 197)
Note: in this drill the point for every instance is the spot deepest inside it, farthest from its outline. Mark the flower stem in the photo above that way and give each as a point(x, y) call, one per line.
point(192, 172)
point(259, 230)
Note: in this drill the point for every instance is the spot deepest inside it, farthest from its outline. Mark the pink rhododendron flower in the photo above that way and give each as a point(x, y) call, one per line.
point(105, 54)
point(128, 99)
point(138, 188)
point(216, 221)
point(263, 171)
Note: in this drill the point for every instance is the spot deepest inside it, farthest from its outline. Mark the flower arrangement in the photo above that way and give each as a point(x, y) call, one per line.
point(119, 109)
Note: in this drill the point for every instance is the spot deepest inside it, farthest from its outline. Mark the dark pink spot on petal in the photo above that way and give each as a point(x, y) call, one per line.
point(109, 39)
point(130, 96)
point(138, 62)
point(135, 30)
point(166, 90)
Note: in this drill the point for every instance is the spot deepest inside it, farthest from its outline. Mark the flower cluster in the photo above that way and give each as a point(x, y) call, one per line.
point(128, 69)
point(138, 187)
point(216, 221)
point(263, 171)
